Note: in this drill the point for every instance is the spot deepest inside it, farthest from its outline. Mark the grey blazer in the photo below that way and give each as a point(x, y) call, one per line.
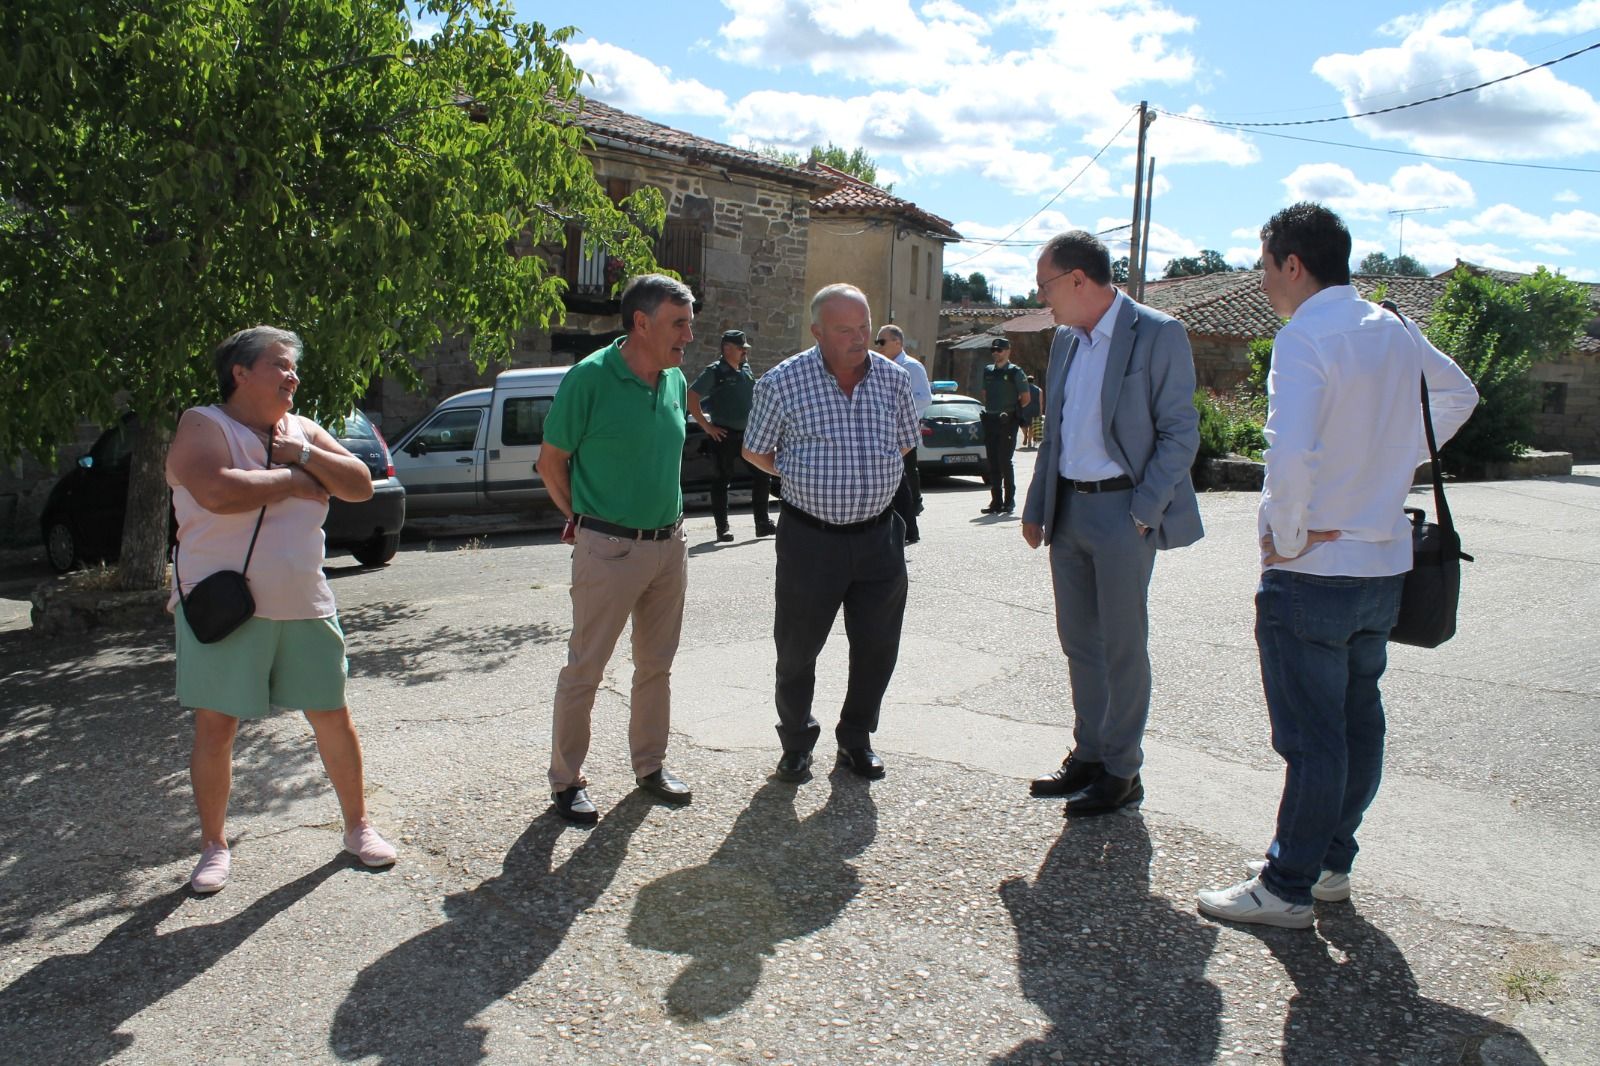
point(1151, 430)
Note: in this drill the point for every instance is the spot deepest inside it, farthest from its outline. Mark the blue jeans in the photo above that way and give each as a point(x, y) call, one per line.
point(1324, 643)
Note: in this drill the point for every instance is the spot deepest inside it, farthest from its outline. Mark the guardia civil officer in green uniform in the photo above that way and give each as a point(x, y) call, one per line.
point(726, 387)
point(1005, 394)
point(611, 459)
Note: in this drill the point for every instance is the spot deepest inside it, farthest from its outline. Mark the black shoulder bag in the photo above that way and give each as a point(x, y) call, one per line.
point(1433, 586)
point(221, 602)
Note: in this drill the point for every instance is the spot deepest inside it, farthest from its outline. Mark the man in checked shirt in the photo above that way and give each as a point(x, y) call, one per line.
point(835, 422)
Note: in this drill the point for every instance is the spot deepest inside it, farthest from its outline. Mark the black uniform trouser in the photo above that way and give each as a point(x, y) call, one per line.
point(999, 443)
point(819, 571)
point(729, 460)
point(908, 498)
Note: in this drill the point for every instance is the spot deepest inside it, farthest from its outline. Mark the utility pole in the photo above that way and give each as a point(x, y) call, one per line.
point(1144, 241)
point(1135, 252)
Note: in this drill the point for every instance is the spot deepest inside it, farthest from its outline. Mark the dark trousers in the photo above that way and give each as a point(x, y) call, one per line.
point(999, 442)
point(908, 498)
point(819, 571)
point(729, 462)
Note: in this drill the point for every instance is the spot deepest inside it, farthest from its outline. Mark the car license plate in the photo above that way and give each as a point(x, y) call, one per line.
point(960, 458)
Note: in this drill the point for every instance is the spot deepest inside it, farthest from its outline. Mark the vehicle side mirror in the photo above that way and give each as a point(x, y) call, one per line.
point(417, 447)
point(86, 461)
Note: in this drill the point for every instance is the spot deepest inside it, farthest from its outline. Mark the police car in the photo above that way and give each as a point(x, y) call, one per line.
point(951, 439)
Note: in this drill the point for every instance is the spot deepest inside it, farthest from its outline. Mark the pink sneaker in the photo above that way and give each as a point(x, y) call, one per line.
point(212, 872)
point(365, 844)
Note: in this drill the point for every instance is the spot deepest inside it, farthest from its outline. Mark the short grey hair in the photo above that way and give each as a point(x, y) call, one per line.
point(647, 292)
point(894, 331)
point(245, 347)
point(829, 292)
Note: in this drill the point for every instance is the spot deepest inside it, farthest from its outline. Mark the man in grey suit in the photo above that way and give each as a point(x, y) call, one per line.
point(1110, 487)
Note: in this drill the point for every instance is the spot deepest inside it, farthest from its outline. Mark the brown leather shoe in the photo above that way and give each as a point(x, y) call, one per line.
point(1074, 775)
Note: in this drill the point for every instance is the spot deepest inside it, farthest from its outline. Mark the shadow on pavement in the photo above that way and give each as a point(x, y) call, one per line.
point(1119, 972)
point(416, 1003)
point(94, 765)
point(1366, 1008)
point(774, 878)
point(67, 1009)
point(424, 654)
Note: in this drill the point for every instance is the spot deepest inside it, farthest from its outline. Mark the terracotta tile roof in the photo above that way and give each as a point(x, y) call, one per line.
point(602, 121)
point(979, 311)
point(851, 195)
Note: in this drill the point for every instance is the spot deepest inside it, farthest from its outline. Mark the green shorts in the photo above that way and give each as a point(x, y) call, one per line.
point(264, 664)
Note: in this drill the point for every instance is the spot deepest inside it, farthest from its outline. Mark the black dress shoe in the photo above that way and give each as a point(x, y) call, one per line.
point(663, 786)
point(993, 508)
point(1105, 795)
point(725, 535)
point(794, 766)
point(766, 530)
point(1074, 776)
point(862, 761)
point(574, 805)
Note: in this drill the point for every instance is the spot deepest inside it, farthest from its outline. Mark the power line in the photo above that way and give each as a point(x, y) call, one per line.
point(1054, 198)
point(1396, 107)
point(1389, 151)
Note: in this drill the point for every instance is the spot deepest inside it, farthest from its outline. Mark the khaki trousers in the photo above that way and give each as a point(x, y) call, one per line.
point(612, 580)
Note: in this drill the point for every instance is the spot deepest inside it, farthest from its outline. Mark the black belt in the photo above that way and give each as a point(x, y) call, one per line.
point(662, 533)
point(1110, 484)
point(805, 519)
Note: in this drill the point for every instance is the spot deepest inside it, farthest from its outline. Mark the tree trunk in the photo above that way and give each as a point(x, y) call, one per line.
point(144, 529)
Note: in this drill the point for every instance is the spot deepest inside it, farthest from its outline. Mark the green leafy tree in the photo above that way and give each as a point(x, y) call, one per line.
point(174, 170)
point(1030, 300)
point(853, 161)
point(974, 287)
point(1209, 261)
point(1401, 266)
point(1495, 332)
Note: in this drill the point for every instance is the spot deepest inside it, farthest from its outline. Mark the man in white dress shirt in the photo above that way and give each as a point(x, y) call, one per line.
point(1344, 434)
point(891, 342)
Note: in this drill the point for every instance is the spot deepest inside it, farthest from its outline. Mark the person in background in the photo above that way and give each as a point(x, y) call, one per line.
point(891, 343)
point(726, 386)
point(1032, 417)
point(232, 465)
point(1005, 393)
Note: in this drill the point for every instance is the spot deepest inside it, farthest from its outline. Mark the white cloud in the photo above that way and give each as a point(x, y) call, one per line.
point(1536, 115)
point(1243, 256)
point(629, 81)
point(1419, 185)
point(1567, 196)
point(421, 31)
point(1517, 19)
point(867, 41)
point(1512, 221)
point(1552, 249)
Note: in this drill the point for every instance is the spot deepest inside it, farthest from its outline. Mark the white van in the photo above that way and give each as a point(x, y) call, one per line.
point(477, 450)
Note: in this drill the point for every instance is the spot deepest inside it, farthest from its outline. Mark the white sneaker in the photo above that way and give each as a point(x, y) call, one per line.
point(1251, 901)
point(1330, 887)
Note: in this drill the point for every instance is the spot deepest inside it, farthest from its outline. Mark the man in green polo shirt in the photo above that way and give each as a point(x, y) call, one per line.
point(611, 458)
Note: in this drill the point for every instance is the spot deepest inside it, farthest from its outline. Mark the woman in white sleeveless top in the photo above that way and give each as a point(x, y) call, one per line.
point(228, 462)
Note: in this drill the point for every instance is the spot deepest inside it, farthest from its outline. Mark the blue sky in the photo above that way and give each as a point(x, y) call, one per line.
point(983, 110)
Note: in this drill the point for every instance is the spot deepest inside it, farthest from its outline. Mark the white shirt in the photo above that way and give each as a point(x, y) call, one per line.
point(921, 391)
point(1344, 433)
point(1083, 447)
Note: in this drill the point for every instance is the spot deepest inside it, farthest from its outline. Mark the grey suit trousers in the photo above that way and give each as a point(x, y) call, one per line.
point(1100, 567)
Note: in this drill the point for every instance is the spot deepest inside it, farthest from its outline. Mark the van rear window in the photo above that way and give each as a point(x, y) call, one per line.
point(522, 419)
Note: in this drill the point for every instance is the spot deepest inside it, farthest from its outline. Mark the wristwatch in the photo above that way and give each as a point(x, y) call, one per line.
point(305, 455)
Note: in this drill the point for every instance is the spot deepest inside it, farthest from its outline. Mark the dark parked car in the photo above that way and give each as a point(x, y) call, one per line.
point(82, 519)
point(952, 437)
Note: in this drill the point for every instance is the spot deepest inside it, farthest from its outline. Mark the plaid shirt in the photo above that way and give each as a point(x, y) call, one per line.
point(839, 456)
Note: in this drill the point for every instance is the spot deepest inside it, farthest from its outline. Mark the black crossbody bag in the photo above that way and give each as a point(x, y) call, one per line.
point(1432, 589)
point(221, 602)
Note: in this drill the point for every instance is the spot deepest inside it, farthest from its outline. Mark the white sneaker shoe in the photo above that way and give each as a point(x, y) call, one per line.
point(1330, 887)
point(1251, 901)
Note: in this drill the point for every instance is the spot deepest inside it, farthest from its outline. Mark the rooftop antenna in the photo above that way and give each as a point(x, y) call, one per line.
point(1403, 212)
